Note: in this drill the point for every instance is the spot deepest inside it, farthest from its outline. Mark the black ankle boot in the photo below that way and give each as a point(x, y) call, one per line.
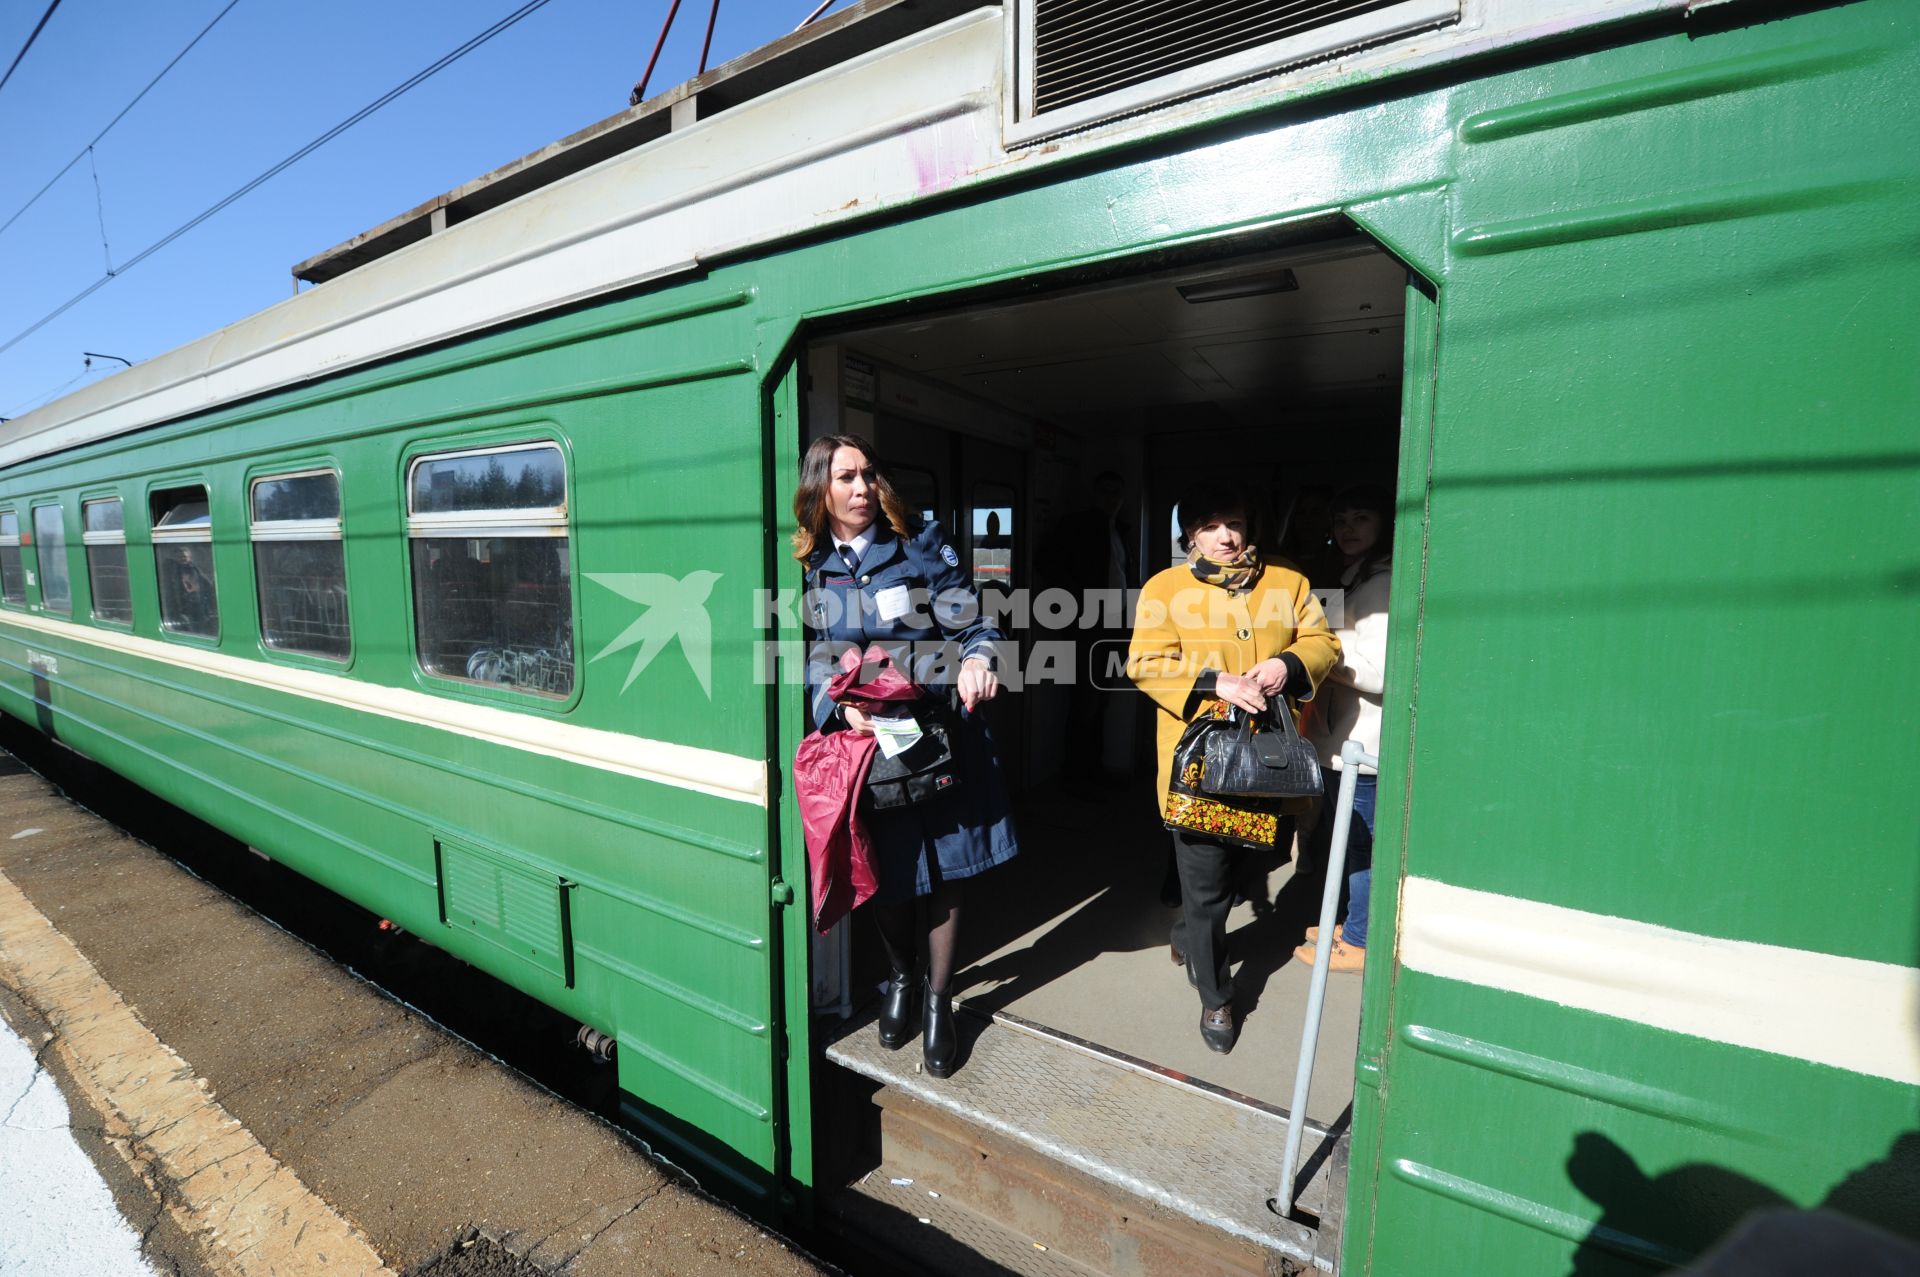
point(896, 1010)
point(940, 1042)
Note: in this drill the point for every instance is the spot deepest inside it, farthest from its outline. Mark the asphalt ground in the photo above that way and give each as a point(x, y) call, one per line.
point(256, 1106)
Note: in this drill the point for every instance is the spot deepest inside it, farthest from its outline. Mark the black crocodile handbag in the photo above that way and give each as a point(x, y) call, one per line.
point(1259, 756)
point(1193, 811)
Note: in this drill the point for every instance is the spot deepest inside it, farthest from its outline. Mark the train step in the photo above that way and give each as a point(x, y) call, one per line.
point(1049, 1155)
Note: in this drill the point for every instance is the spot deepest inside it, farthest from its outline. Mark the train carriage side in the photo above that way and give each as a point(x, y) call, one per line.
point(517, 521)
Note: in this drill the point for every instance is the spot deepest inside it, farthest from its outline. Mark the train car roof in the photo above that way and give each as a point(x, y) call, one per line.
point(889, 103)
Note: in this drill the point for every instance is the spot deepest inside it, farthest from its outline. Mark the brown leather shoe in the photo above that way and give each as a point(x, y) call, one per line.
point(1218, 1029)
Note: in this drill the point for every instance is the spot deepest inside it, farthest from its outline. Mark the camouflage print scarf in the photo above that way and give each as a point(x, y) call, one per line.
point(1237, 575)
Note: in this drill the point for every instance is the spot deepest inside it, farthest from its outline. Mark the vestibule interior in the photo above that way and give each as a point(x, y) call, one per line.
point(1280, 371)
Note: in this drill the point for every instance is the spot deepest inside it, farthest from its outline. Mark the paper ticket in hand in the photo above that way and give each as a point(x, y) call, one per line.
point(895, 735)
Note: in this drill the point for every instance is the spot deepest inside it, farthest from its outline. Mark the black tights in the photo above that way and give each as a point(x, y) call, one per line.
point(938, 917)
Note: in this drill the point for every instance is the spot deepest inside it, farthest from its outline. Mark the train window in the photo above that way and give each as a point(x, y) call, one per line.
point(300, 564)
point(13, 574)
point(104, 531)
point(183, 560)
point(992, 534)
point(50, 549)
point(492, 574)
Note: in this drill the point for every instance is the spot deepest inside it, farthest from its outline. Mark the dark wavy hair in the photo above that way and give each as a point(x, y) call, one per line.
point(1368, 496)
point(816, 476)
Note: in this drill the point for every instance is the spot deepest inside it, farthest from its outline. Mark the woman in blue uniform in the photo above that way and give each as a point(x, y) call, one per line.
point(875, 575)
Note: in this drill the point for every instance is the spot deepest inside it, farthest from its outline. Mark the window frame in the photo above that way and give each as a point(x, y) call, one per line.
point(40, 579)
point(300, 530)
point(158, 537)
point(557, 522)
point(21, 605)
point(90, 539)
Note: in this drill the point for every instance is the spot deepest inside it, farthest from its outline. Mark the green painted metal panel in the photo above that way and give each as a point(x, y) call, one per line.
point(1532, 1138)
point(519, 910)
point(671, 913)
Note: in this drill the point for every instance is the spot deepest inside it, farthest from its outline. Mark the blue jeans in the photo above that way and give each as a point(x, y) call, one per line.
point(1359, 851)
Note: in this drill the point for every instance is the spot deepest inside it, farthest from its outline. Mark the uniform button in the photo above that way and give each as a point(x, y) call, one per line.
point(1243, 635)
point(865, 579)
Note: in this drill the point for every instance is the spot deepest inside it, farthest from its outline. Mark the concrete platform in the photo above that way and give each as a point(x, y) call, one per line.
point(257, 1107)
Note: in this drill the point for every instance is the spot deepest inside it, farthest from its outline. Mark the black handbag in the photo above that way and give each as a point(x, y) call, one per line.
point(924, 770)
point(1259, 756)
point(1195, 809)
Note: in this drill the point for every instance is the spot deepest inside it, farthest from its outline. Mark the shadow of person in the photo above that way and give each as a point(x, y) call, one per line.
point(1866, 1227)
point(1115, 920)
point(1659, 1221)
point(1083, 885)
point(1886, 1192)
point(1266, 943)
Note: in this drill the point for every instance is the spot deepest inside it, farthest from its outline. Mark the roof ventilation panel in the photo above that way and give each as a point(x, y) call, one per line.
point(1079, 62)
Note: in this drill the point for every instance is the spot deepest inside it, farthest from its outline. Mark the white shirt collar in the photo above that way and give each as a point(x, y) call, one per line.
point(859, 544)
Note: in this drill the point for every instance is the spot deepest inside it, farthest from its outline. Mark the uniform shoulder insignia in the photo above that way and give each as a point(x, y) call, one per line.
point(949, 557)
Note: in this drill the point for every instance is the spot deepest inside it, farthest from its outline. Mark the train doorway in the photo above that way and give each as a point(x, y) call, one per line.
point(1053, 436)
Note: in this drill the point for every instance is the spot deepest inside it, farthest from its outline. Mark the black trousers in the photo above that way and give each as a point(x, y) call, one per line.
point(1208, 872)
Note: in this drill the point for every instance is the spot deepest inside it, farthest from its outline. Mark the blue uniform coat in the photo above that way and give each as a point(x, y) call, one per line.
point(911, 596)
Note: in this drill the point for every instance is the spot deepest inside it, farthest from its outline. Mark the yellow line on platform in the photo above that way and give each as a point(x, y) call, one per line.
point(253, 1216)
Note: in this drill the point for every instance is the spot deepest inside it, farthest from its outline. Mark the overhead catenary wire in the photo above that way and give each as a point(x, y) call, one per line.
point(37, 28)
point(82, 152)
point(411, 82)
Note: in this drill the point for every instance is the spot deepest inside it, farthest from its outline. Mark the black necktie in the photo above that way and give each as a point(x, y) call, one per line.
point(846, 557)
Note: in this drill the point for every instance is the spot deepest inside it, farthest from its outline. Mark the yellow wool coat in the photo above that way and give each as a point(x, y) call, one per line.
point(1184, 626)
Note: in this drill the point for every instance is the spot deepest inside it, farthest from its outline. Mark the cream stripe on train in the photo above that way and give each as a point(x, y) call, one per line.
point(707, 771)
point(1847, 1012)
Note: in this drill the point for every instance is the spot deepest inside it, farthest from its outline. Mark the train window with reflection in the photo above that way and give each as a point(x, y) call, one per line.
point(50, 550)
point(183, 560)
point(300, 563)
point(104, 532)
point(492, 574)
point(992, 534)
point(13, 573)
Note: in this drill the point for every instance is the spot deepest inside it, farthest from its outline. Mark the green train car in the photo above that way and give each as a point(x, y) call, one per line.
point(459, 582)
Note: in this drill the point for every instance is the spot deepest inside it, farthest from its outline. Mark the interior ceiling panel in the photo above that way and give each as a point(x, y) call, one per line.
point(1142, 343)
point(1330, 360)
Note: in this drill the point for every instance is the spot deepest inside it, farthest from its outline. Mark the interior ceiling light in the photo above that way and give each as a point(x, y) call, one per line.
point(1226, 290)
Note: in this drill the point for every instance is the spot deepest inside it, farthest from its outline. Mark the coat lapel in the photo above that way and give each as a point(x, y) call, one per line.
point(885, 548)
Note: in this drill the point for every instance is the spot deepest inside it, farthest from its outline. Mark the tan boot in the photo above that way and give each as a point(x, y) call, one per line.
point(1344, 957)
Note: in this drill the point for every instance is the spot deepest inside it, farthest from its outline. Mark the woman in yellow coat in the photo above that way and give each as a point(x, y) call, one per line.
point(1222, 626)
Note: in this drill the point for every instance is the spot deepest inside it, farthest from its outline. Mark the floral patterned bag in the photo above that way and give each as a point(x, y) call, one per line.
point(1235, 821)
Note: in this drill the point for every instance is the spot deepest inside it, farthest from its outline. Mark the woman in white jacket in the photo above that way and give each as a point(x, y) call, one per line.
point(1349, 703)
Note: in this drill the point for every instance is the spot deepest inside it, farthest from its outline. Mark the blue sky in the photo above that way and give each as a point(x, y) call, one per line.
point(273, 75)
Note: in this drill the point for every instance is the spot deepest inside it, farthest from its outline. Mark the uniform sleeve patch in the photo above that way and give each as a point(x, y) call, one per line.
point(948, 556)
